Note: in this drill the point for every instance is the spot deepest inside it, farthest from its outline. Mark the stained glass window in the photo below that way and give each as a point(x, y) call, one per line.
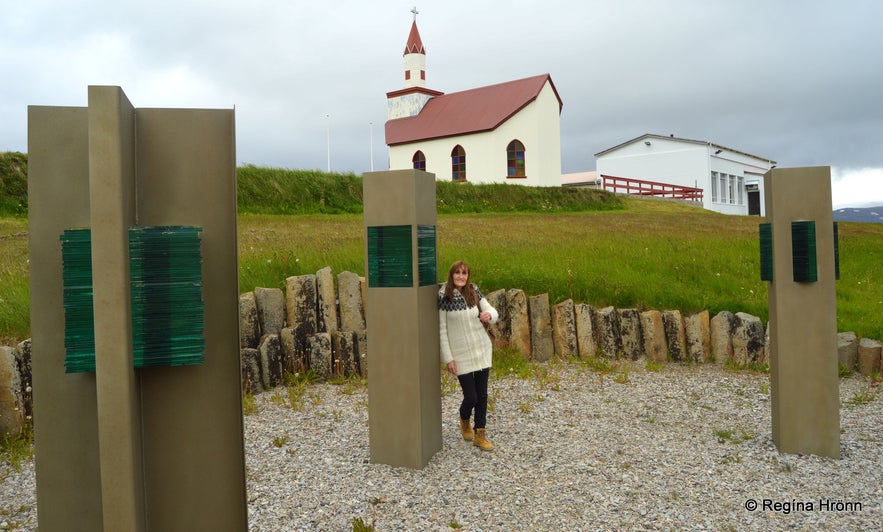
point(515, 159)
point(458, 163)
point(419, 161)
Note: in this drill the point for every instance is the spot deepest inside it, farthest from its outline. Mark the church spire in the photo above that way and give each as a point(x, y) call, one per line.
point(414, 45)
point(415, 57)
point(410, 100)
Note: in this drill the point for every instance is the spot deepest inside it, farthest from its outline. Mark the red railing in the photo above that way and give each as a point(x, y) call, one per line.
point(640, 187)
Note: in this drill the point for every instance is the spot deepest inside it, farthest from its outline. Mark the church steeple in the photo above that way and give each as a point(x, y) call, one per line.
point(415, 45)
point(415, 57)
point(410, 100)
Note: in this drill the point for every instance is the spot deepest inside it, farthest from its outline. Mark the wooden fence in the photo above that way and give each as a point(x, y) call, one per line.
point(640, 187)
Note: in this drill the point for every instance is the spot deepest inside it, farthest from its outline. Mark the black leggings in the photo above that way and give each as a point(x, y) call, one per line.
point(474, 387)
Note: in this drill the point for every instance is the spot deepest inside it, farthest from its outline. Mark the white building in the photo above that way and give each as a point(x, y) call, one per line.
point(729, 181)
point(504, 133)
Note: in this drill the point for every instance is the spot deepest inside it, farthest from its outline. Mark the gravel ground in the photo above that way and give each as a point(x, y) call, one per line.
point(681, 448)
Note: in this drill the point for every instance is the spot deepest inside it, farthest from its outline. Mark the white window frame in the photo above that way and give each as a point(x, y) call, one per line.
point(714, 187)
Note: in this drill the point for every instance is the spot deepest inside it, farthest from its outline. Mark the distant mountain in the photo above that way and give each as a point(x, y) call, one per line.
point(859, 214)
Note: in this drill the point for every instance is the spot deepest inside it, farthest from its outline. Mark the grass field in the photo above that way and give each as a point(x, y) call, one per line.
point(650, 255)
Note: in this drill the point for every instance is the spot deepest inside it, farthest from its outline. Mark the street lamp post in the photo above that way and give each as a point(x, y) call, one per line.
point(371, 142)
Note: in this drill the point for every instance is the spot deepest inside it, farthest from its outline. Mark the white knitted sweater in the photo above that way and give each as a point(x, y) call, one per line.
point(462, 335)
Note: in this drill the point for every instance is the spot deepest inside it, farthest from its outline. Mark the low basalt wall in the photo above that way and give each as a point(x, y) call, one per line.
point(317, 324)
point(301, 328)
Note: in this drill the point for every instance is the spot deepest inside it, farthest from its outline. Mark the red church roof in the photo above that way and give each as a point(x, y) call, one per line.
point(414, 45)
point(470, 111)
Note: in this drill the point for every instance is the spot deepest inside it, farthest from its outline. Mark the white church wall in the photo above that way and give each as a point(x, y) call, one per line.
point(437, 153)
point(523, 127)
point(549, 138)
point(537, 126)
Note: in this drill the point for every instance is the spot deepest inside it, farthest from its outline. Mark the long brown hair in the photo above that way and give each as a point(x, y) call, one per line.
point(468, 291)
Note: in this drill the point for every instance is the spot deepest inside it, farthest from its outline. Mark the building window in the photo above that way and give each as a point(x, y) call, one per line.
point(732, 191)
point(515, 159)
point(723, 188)
point(458, 163)
point(407, 74)
point(419, 161)
point(740, 189)
point(714, 186)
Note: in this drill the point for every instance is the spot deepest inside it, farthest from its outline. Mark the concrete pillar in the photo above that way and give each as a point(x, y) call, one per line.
point(112, 200)
point(803, 316)
point(404, 387)
point(129, 448)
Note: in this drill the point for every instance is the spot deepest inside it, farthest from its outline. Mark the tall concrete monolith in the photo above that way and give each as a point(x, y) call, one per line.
point(120, 447)
point(404, 388)
point(798, 259)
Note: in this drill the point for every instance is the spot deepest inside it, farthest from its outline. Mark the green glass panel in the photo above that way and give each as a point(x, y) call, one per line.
point(165, 267)
point(390, 256)
point(803, 251)
point(166, 290)
point(79, 321)
point(836, 253)
point(426, 255)
point(766, 252)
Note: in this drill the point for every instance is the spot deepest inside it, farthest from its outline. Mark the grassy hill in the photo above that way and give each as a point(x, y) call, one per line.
point(13, 184)
point(586, 245)
point(264, 190)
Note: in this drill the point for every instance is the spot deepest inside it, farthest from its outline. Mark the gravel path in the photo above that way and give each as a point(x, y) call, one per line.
point(681, 448)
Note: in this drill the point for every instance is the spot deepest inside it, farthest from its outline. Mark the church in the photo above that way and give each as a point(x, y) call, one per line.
point(504, 133)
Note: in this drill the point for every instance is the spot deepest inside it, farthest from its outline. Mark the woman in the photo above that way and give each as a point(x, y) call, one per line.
point(466, 349)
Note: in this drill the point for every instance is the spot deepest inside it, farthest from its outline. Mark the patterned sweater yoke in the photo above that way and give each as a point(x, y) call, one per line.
point(462, 337)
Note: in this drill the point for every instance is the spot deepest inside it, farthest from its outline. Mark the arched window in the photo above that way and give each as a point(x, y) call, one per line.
point(458, 163)
point(419, 161)
point(515, 159)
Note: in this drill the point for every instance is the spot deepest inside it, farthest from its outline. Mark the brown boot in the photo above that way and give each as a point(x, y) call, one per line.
point(481, 440)
point(466, 430)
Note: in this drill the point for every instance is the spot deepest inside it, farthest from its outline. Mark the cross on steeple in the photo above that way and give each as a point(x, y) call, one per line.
point(415, 12)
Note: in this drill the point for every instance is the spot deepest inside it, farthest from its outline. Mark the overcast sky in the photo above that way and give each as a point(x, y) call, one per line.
point(796, 81)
